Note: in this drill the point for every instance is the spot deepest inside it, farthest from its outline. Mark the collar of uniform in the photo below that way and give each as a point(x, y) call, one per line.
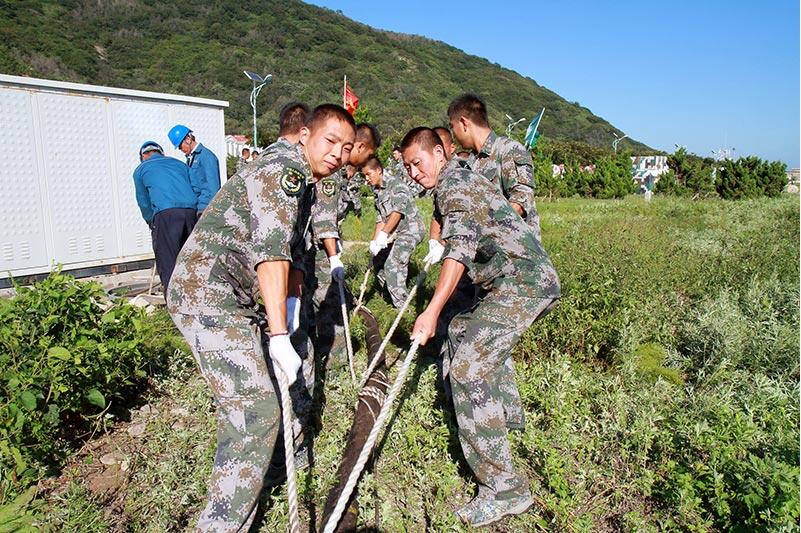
point(486, 149)
point(198, 148)
point(451, 166)
point(297, 149)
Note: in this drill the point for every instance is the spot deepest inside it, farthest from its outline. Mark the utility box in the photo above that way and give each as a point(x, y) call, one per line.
point(67, 156)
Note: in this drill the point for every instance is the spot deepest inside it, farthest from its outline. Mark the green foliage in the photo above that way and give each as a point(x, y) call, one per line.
point(230, 165)
point(750, 177)
point(66, 355)
point(163, 46)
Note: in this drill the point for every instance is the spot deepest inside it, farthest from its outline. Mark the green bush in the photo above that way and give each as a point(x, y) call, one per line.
point(66, 354)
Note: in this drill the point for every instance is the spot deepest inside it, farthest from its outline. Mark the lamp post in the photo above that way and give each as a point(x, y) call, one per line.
point(258, 83)
point(617, 140)
point(512, 124)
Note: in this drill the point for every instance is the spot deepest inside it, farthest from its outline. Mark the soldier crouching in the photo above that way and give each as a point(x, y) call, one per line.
point(250, 243)
point(483, 234)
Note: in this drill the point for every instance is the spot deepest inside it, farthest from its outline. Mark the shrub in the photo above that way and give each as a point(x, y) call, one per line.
point(66, 355)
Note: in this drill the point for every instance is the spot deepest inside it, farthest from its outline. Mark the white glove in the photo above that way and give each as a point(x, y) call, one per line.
point(292, 314)
point(381, 241)
point(284, 356)
point(374, 249)
point(435, 252)
point(337, 268)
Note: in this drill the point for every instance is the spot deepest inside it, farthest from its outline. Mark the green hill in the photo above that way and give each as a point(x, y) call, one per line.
point(200, 49)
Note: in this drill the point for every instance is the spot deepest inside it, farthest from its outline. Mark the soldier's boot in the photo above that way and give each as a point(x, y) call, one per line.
point(483, 511)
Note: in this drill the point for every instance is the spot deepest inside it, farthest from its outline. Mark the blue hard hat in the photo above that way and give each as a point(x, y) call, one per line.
point(177, 134)
point(149, 146)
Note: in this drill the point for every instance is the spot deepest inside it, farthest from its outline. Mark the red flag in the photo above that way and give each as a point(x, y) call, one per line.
point(350, 99)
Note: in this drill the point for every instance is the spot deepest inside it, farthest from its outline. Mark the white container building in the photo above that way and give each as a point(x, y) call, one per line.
point(67, 156)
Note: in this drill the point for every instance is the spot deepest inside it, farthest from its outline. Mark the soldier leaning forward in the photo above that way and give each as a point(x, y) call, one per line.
point(500, 159)
point(243, 247)
point(483, 234)
point(398, 230)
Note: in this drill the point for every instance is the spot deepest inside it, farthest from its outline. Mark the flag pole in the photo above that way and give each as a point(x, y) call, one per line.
point(344, 90)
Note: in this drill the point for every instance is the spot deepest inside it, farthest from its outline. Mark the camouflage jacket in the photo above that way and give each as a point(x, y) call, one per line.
point(393, 195)
point(281, 143)
point(324, 211)
point(507, 163)
point(483, 232)
point(259, 215)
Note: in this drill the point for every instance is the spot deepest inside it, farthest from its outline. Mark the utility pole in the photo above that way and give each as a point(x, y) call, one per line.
point(258, 84)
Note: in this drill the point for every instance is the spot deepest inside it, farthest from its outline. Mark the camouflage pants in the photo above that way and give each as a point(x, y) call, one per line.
point(229, 352)
point(480, 341)
point(348, 202)
point(392, 267)
point(324, 309)
point(462, 300)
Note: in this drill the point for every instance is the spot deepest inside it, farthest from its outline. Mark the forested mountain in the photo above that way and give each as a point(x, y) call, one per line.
point(200, 49)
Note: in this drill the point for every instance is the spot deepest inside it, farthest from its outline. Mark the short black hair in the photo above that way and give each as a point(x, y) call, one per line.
point(291, 118)
point(373, 162)
point(396, 148)
point(368, 134)
point(425, 137)
point(255, 152)
point(245, 150)
point(442, 131)
point(471, 106)
point(323, 112)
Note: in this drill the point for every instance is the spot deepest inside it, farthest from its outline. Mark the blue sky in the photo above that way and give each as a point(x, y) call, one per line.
point(704, 74)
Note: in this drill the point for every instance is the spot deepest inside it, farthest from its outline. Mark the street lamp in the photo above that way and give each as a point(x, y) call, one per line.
point(258, 83)
point(512, 124)
point(617, 140)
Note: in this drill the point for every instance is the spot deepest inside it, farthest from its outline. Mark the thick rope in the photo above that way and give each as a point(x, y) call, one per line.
point(289, 451)
point(348, 343)
point(367, 449)
point(392, 328)
point(362, 289)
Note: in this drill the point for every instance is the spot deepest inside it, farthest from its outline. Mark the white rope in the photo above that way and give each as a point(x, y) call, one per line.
point(289, 451)
point(392, 328)
point(353, 479)
point(345, 323)
point(362, 289)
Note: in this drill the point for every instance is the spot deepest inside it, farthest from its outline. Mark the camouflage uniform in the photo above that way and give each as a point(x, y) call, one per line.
point(508, 164)
point(391, 265)
point(258, 215)
point(281, 143)
point(322, 293)
point(518, 283)
point(350, 194)
point(417, 190)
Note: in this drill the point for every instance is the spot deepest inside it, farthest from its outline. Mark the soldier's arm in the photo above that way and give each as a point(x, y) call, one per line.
point(324, 213)
point(435, 229)
point(518, 177)
point(273, 280)
point(273, 197)
point(392, 222)
point(379, 226)
point(426, 324)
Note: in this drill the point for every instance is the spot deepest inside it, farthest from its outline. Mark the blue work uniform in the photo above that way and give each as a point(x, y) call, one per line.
point(204, 173)
point(168, 204)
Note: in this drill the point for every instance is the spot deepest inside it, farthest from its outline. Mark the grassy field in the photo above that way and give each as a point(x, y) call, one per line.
point(661, 394)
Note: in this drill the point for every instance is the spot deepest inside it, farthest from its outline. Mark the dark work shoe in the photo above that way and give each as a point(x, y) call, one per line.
point(483, 512)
